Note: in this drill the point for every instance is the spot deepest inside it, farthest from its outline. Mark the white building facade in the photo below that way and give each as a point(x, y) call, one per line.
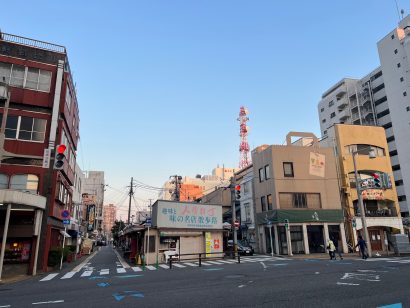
point(380, 98)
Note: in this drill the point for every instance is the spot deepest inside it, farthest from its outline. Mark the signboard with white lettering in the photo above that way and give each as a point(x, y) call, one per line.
point(188, 215)
point(46, 158)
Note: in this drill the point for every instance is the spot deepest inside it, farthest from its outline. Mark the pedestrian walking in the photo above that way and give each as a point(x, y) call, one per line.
point(336, 243)
point(362, 245)
point(331, 247)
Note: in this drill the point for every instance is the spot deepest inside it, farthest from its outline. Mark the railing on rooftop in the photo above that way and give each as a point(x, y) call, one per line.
point(31, 43)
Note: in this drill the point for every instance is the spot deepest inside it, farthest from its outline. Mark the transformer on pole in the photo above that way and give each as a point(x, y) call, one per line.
point(245, 159)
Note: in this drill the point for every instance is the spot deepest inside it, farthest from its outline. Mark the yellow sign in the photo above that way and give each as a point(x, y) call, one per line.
point(373, 194)
point(208, 243)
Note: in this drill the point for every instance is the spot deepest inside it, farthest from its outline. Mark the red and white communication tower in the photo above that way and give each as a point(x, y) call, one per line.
point(245, 159)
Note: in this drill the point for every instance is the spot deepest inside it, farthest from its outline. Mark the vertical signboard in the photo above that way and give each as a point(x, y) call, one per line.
point(317, 164)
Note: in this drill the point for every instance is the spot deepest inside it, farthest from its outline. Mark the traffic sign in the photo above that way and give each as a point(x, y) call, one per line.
point(66, 221)
point(236, 224)
point(148, 222)
point(65, 214)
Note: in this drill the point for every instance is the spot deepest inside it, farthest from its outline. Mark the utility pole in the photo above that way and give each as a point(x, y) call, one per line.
point(235, 236)
point(177, 181)
point(131, 193)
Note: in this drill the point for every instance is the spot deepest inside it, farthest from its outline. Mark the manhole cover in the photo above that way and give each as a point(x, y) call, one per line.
point(234, 276)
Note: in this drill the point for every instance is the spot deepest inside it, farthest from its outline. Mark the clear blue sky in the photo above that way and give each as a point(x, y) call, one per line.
point(160, 83)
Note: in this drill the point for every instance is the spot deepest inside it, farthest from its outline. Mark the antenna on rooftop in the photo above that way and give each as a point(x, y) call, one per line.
point(398, 11)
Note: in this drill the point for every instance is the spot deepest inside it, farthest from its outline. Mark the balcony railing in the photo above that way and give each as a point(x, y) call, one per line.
point(377, 213)
point(31, 43)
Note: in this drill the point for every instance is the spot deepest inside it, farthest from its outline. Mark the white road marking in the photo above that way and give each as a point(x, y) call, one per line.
point(241, 286)
point(49, 277)
point(317, 273)
point(348, 284)
point(49, 302)
point(151, 268)
point(136, 269)
point(105, 271)
point(85, 262)
point(226, 261)
point(191, 264)
point(86, 273)
point(68, 275)
point(5, 306)
point(121, 270)
point(400, 261)
point(366, 277)
point(164, 266)
point(263, 264)
point(214, 262)
point(204, 263)
point(122, 261)
point(178, 265)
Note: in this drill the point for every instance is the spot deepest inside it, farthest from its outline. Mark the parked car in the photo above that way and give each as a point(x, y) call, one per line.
point(243, 249)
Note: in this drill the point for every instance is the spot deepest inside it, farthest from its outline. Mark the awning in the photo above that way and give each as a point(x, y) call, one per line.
point(65, 234)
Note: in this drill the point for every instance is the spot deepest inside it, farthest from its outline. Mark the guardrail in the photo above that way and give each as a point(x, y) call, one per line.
point(199, 257)
point(31, 42)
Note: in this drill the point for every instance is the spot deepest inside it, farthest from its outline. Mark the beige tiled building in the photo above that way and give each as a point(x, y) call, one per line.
point(382, 208)
point(297, 198)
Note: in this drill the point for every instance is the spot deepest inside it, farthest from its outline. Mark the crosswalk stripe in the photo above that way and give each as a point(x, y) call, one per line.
point(86, 273)
point(178, 265)
point(150, 267)
point(164, 266)
point(49, 277)
point(227, 262)
point(68, 275)
point(136, 269)
point(214, 262)
point(191, 264)
point(204, 263)
point(104, 272)
point(120, 270)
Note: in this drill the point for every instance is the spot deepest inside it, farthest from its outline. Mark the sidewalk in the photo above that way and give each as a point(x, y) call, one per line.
point(325, 256)
point(9, 278)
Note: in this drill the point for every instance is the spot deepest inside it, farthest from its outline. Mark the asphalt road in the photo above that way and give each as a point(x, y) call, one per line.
point(259, 281)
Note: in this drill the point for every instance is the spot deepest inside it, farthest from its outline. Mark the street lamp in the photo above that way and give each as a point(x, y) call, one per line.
point(372, 155)
point(4, 95)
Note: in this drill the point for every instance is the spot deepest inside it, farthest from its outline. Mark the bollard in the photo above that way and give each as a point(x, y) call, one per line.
point(200, 263)
point(170, 262)
point(239, 258)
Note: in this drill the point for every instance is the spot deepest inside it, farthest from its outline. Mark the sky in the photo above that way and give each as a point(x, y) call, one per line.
point(160, 83)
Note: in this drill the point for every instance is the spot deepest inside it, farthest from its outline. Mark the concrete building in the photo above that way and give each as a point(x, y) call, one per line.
point(109, 214)
point(297, 197)
point(93, 200)
point(43, 112)
point(75, 228)
point(379, 98)
point(382, 209)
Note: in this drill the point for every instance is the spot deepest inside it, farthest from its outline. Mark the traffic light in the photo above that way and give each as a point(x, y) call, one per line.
point(287, 223)
point(238, 192)
point(377, 180)
point(59, 157)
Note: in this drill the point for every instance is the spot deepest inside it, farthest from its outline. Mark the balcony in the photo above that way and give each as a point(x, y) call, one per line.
point(344, 115)
point(377, 209)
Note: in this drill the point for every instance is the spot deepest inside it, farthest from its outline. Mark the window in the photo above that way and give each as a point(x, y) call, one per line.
point(395, 51)
point(331, 103)
point(25, 182)
point(261, 175)
point(395, 167)
point(387, 125)
point(4, 181)
point(390, 139)
point(404, 93)
point(364, 149)
point(393, 153)
point(263, 203)
point(325, 132)
point(269, 197)
point(322, 109)
point(392, 36)
point(246, 187)
point(407, 109)
point(68, 97)
point(288, 170)
point(332, 115)
point(267, 172)
point(402, 198)
point(399, 183)
point(25, 77)
point(398, 65)
point(299, 200)
point(324, 121)
point(247, 212)
point(401, 79)
point(381, 100)
point(378, 88)
point(383, 113)
point(25, 128)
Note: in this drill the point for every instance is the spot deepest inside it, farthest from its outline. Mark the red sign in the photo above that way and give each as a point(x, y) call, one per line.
point(236, 224)
point(216, 243)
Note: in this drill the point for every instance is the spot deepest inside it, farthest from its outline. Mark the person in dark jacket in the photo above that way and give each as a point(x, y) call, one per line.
point(362, 246)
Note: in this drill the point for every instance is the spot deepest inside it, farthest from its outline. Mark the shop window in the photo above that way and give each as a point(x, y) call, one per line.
point(4, 181)
point(25, 182)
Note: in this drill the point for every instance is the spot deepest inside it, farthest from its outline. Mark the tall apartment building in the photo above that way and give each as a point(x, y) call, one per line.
point(379, 98)
point(110, 214)
point(93, 200)
point(43, 112)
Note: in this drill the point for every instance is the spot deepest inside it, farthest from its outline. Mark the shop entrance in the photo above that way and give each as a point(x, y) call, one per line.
point(375, 240)
point(315, 238)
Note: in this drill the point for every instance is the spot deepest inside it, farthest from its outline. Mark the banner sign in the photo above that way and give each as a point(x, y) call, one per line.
point(317, 164)
point(189, 215)
point(373, 194)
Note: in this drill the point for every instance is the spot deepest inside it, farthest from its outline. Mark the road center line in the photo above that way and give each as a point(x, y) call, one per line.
point(86, 261)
